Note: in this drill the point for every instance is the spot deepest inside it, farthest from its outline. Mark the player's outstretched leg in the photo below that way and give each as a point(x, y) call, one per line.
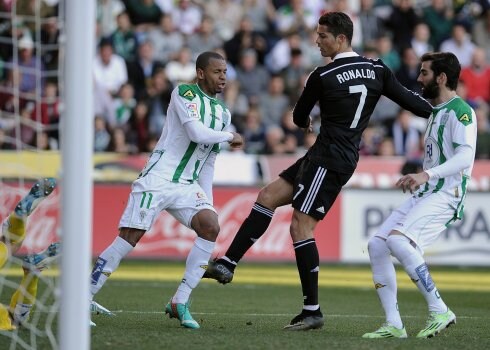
point(436, 323)
point(220, 270)
point(25, 296)
point(182, 313)
point(306, 320)
point(14, 227)
point(40, 190)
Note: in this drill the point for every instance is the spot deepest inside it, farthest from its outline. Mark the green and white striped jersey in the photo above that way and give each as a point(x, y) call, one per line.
point(177, 158)
point(450, 125)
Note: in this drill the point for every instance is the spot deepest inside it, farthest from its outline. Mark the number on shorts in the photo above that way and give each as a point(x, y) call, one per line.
point(354, 90)
point(150, 197)
point(301, 188)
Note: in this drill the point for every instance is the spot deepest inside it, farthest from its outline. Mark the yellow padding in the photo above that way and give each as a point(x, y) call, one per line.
point(4, 254)
point(15, 230)
point(5, 321)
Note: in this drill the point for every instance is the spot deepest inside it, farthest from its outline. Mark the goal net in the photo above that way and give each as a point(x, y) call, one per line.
point(31, 100)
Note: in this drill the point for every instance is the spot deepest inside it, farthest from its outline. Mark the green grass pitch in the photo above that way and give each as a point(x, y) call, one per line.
point(250, 312)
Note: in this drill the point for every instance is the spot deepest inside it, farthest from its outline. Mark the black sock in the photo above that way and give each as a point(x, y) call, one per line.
point(308, 261)
point(251, 230)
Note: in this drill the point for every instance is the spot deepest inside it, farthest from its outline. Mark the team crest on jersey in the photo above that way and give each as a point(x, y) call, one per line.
point(189, 95)
point(191, 109)
point(465, 119)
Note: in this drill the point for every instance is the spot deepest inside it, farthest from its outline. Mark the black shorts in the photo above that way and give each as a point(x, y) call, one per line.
point(314, 188)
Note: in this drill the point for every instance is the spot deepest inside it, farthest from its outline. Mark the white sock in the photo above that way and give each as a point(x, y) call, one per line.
point(384, 278)
point(22, 312)
point(195, 266)
point(417, 269)
point(107, 263)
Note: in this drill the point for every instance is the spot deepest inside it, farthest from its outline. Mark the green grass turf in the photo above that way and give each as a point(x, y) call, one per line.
point(250, 315)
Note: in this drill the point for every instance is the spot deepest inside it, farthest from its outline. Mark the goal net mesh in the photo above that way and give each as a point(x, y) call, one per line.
point(31, 86)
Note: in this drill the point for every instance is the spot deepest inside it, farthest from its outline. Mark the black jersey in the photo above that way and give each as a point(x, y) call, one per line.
point(347, 90)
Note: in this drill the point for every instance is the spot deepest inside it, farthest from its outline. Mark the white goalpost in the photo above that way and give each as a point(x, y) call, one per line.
point(77, 149)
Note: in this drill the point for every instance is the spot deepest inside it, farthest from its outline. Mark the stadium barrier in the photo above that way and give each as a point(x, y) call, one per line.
point(341, 237)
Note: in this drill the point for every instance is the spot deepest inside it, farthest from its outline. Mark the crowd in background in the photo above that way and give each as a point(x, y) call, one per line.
point(146, 47)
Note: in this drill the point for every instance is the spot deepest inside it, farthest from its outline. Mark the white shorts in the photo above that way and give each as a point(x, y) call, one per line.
point(422, 219)
point(151, 194)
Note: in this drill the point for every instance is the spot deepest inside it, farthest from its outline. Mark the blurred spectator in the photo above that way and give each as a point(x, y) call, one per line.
point(143, 67)
point(402, 21)
point(294, 17)
point(371, 26)
point(275, 142)
point(460, 44)
point(253, 131)
point(119, 143)
point(483, 132)
point(292, 75)
point(481, 32)
point(420, 41)
point(384, 47)
point(293, 135)
point(11, 32)
point(41, 141)
point(158, 96)
point(261, 14)
point(182, 69)
point(252, 77)
point(124, 40)
point(439, 17)
point(5, 140)
point(226, 15)
point(274, 102)
point(280, 55)
point(143, 13)
point(50, 110)
point(49, 46)
point(405, 135)
point(408, 72)
point(205, 39)
point(109, 69)
point(30, 66)
point(386, 148)
point(103, 104)
point(477, 76)
point(107, 12)
point(102, 138)
point(186, 17)
point(124, 104)
point(245, 38)
point(370, 141)
point(138, 127)
point(166, 39)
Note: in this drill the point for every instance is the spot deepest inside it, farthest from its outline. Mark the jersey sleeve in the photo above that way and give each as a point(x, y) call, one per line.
point(463, 129)
point(186, 105)
point(406, 98)
point(307, 100)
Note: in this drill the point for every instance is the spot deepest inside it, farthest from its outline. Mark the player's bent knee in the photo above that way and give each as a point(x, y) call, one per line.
point(206, 225)
point(377, 246)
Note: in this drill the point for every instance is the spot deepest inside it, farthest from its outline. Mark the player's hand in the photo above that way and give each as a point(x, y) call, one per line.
point(237, 141)
point(411, 182)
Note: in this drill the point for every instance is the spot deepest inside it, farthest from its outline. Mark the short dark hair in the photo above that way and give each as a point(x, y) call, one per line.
point(338, 23)
point(203, 59)
point(444, 62)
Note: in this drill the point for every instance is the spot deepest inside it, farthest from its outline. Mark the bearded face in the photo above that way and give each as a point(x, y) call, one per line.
point(430, 90)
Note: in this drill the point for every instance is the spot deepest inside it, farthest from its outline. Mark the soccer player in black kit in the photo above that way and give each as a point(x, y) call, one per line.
point(347, 90)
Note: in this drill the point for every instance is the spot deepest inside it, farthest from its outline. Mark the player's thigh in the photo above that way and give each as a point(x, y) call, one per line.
point(316, 188)
point(149, 196)
point(427, 218)
point(395, 217)
point(191, 199)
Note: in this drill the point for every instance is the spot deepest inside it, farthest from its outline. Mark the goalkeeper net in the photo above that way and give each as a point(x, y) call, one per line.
point(31, 57)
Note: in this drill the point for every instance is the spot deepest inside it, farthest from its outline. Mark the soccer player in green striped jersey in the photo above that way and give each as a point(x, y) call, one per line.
point(438, 193)
point(178, 178)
